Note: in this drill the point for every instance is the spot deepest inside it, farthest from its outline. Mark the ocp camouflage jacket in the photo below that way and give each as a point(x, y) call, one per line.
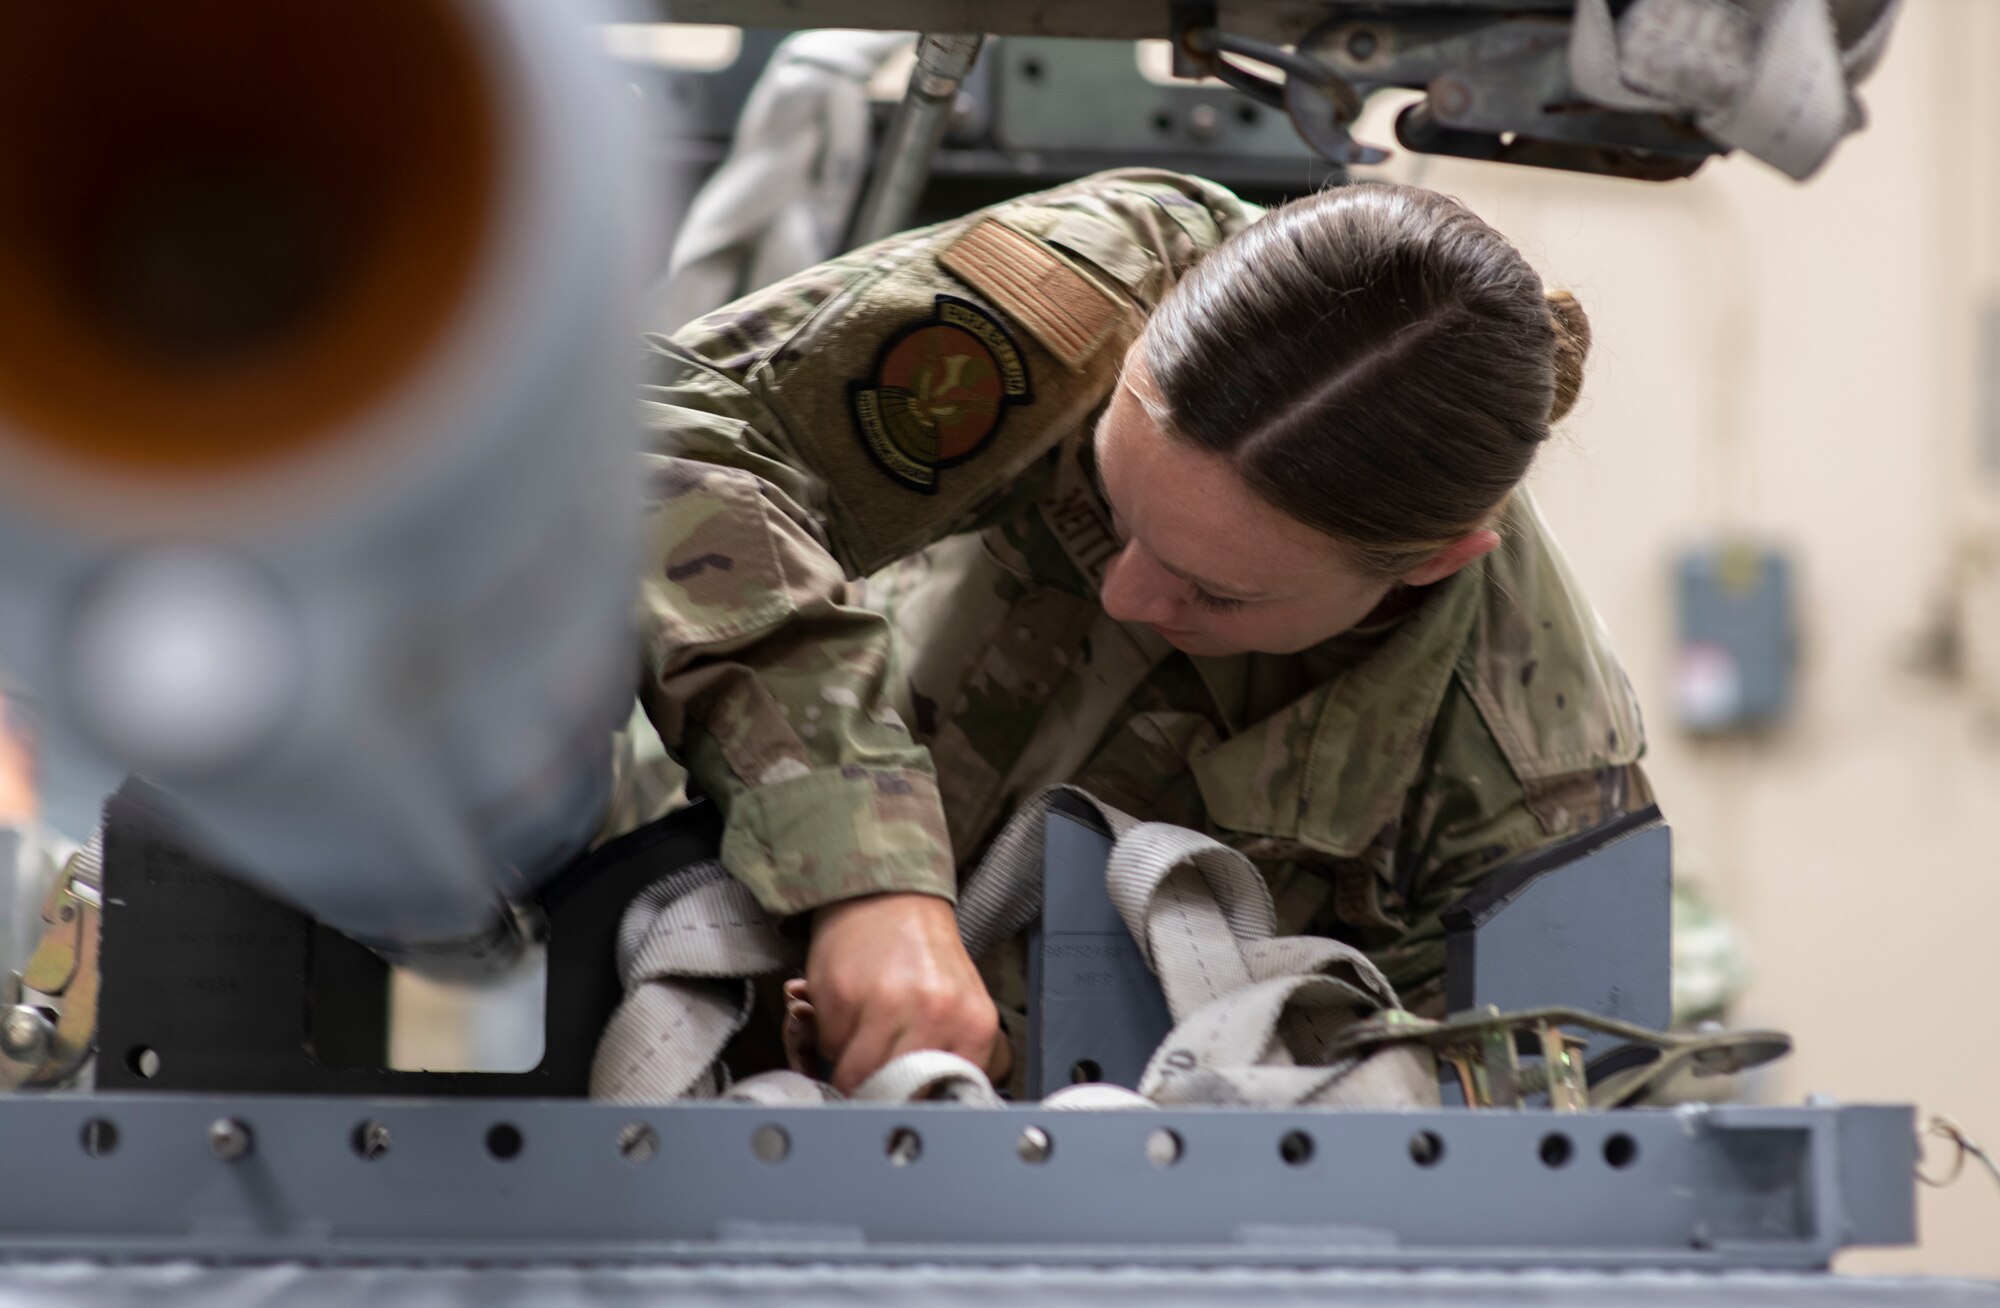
point(917, 413)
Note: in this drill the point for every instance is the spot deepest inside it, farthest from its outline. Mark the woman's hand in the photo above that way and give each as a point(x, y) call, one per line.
point(17, 773)
point(887, 974)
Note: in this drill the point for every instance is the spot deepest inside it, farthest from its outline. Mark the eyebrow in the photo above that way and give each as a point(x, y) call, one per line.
point(1097, 480)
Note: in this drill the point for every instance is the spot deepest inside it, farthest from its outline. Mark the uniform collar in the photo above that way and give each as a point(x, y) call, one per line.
point(1332, 768)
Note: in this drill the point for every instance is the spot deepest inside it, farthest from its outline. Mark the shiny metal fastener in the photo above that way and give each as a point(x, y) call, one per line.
point(228, 1139)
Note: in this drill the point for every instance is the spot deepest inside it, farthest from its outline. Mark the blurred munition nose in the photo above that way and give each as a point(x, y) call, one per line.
point(183, 660)
point(316, 426)
point(229, 226)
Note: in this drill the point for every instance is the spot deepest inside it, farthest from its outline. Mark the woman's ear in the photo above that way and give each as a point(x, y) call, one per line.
point(1472, 545)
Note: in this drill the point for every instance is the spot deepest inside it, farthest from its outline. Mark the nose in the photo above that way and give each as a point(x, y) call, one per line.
point(1136, 589)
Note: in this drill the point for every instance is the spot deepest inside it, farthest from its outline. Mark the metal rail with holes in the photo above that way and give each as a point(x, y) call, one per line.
point(246, 1178)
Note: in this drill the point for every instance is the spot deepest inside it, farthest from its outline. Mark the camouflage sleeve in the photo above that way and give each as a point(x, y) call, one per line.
point(766, 497)
point(765, 682)
point(1470, 815)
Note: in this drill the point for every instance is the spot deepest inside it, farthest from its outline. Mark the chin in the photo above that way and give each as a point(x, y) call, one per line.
point(1198, 643)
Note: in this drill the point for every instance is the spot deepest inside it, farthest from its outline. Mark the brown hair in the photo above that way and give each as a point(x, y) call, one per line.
point(1373, 360)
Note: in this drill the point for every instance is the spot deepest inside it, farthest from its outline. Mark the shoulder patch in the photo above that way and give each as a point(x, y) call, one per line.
point(939, 392)
point(1053, 301)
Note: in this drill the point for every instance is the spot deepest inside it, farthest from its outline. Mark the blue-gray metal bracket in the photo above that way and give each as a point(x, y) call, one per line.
point(1099, 1012)
point(1587, 923)
point(259, 1179)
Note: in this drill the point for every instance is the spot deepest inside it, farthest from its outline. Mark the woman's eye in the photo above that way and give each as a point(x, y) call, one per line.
point(1217, 603)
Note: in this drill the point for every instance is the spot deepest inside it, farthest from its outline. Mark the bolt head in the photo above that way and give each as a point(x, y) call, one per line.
point(228, 1139)
point(372, 1140)
point(24, 1034)
point(1450, 97)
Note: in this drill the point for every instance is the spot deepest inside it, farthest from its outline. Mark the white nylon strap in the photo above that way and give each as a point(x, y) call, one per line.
point(1771, 77)
point(923, 1075)
point(1255, 1013)
point(685, 946)
point(781, 1089)
point(929, 1074)
point(1096, 1097)
point(1247, 1003)
point(699, 922)
point(1188, 900)
point(1004, 893)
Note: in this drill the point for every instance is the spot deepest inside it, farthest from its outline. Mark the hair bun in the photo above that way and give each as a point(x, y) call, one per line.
point(1572, 326)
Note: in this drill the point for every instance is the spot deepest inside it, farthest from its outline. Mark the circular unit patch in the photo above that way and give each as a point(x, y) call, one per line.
point(940, 390)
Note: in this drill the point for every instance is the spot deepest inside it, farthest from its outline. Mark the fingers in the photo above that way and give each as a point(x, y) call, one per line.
point(836, 1017)
point(966, 1025)
point(888, 975)
point(868, 1054)
point(801, 1031)
point(865, 1055)
point(999, 1063)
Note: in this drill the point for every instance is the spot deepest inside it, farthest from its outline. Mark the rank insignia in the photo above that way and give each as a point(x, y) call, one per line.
point(940, 390)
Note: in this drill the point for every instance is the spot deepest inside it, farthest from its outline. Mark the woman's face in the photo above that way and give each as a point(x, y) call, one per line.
point(1208, 563)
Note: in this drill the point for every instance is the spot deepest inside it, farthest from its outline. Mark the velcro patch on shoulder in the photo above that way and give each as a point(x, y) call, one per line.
point(1071, 316)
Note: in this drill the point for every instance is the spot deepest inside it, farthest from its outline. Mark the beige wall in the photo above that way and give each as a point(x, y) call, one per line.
point(1799, 362)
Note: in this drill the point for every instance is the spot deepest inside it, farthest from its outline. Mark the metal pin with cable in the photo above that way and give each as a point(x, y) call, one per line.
point(1946, 1127)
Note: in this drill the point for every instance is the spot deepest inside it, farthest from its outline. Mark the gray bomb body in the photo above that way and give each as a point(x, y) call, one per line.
point(378, 673)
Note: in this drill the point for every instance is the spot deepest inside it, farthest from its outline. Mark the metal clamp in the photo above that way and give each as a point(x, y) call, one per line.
point(49, 1026)
point(1321, 102)
point(1483, 1051)
point(1498, 88)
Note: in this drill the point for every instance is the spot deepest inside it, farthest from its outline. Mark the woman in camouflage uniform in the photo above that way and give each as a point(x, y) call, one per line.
point(1213, 513)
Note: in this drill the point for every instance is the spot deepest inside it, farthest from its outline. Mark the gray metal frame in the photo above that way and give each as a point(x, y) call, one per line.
point(1052, 93)
point(1118, 19)
point(263, 1179)
point(887, 1284)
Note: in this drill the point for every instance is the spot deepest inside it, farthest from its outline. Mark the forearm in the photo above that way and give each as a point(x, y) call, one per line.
point(774, 693)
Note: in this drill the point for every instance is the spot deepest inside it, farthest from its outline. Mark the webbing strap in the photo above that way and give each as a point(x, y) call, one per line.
point(929, 1074)
point(1256, 1014)
point(926, 1074)
point(1096, 1097)
point(781, 1089)
point(686, 947)
point(1004, 894)
point(1771, 77)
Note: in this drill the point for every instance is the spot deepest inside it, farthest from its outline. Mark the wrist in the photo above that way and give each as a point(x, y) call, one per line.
point(912, 903)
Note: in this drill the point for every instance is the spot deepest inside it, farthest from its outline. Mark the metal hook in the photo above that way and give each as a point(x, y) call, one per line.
point(1321, 103)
